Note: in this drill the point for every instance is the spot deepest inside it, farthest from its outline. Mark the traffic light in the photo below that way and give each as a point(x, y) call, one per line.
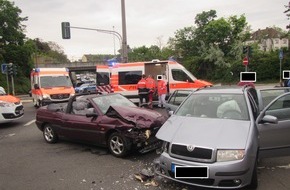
point(14, 70)
point(65, 29)
point(245, 49)
point(10, 69)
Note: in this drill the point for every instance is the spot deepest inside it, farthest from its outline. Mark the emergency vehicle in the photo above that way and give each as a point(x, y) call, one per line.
point(125, 76)
point(50, 85)
point(11, 107)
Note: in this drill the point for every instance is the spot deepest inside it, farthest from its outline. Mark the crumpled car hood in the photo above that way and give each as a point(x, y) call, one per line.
point(142, 117)
point(215, 133)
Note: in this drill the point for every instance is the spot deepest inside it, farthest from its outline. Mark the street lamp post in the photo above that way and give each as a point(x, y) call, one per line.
point(124, 42)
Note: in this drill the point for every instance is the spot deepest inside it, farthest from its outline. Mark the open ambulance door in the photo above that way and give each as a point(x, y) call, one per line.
point(103, 75)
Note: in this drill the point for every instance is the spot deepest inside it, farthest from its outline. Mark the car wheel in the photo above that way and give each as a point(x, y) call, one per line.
point(254, 180)
point(119, 145)
point(49, 134)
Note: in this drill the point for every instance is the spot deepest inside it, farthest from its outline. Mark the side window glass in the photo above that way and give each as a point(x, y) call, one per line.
point(280, 108)
point(178, 96)
point(129, 77)
point(180, 75)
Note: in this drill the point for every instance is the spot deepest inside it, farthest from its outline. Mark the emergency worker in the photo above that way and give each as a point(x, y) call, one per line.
point(151, 85)
point(142, 90)
point(162, 91)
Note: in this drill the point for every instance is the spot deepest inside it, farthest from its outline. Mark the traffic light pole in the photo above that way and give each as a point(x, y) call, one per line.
point(12, 83)
point(7, 78)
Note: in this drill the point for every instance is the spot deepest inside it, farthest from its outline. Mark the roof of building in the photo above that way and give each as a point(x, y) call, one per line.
point(265, 33)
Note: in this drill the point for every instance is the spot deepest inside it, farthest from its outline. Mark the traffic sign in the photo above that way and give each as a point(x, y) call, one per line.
point(281, 54)
point(245, 61)
point(4, 68)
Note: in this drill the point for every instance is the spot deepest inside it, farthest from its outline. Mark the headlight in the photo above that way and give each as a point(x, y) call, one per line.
point(6, 104)
point(230, 155)
point(165, 146)
point(45, 96)
point(72, 94)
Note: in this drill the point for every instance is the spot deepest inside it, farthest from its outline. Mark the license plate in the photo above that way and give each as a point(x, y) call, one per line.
point(190, 172)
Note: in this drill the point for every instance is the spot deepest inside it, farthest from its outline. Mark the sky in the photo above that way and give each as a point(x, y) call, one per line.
point(148, 22)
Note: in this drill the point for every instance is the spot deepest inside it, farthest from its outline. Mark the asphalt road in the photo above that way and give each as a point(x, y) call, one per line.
point(28, 162)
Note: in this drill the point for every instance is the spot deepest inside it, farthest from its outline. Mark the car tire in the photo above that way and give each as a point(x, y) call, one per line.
point(254, 180)
point(49, 134)
point(119, 145)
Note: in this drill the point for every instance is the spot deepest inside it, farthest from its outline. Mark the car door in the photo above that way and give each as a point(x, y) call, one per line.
point(274, 127)
point(77, 126)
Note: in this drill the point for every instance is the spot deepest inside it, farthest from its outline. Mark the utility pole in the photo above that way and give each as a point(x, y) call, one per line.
point(124, 42)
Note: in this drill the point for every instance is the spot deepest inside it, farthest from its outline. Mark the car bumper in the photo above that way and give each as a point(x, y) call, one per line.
point(8, 114)
point(231, 174)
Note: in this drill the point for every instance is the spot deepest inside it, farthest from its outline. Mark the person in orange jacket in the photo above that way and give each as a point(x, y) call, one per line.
point(142, 90)
point(151, 85)
point(162, 91)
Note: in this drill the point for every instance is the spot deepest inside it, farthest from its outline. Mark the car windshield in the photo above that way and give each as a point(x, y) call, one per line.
point(225, 106)
point(104, 102)
point(2, 91)
point(55, 81)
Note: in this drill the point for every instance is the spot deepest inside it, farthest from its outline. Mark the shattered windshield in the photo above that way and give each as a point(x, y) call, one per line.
point(225, 106)
point(55, 81)
point(104, 102)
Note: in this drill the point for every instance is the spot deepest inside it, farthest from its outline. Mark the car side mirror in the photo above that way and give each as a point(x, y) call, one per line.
point(36, 86)
point(269, 119)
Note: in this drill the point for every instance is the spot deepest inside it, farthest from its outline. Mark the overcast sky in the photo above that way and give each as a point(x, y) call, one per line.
point(146, 20)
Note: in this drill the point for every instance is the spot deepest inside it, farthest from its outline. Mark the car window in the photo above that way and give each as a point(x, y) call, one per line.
point(178, 97)
point(280, 108)
point(270, 94)
point(225, 106)
point(180, 75)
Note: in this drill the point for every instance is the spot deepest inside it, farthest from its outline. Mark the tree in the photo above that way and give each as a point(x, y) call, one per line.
point(213, 42)
point(12, 42)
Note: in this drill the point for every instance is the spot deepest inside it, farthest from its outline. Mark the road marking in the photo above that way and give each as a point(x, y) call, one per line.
point(30, 122)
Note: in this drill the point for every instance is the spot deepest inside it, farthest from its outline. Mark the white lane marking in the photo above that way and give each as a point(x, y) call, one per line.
point(30, 122)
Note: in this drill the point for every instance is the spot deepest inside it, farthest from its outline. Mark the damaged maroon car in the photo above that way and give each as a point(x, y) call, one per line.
point(109, 120)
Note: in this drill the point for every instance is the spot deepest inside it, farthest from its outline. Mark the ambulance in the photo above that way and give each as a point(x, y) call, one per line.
point(11, 107)
point(125, 76)
point(50, 85)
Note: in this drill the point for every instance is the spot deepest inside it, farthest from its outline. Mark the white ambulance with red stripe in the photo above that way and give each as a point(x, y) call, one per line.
point(50, 85)
point(125, 76)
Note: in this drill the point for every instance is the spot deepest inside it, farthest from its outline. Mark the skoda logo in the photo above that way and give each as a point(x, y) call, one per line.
point(190, 148)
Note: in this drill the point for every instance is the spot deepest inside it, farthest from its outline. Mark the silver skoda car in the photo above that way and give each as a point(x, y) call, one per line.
point(216, 136)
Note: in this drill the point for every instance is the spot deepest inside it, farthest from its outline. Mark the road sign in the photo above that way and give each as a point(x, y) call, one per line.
point(4, 68)
point(245, 61)
point(281, 54)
